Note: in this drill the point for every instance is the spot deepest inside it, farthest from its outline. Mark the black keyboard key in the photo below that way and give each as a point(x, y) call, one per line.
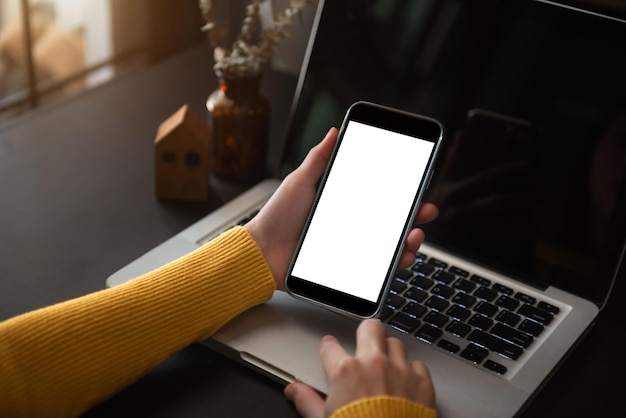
point(464, 299)
point(474, 353)
point(448, 346)
point(444, 276)
point(385, 313)
point(460, 329)
point(437, 303)
point(397, 286)
point(415, 309)
point(486, 308)
point(436, 318)
point(443, 291)
point(428, 333)
point(458, 271)
point(404, 322)
point(496, 344)
point(486, 293)
point(502, 289)
point(511, 334)
point(481, 322)
point(464, 285)
point(420, 257)
point(531, 327)
point(554, 310)
point(495, 367)
point(395, 301)
point(416, 294)
point(507, 303)
point(508, 318)
point(480, 280)
point(404, 274)
point(536, 314)
point(422, 282)
point(459, 312)
point(437, 263)
point(525, 298)
point(424, 269)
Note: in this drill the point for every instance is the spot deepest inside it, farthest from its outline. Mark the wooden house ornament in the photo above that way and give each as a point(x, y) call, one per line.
point(182, 169)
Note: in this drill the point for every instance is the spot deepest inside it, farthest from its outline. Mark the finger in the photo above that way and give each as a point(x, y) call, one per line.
point(414, 239)
point(397, 352)
point(425, 390)
point(331, 353)
point(316, 161)
point(306, 400)
point(370, 337)
point(421, 369)
point(427, 212)
point(406, 260)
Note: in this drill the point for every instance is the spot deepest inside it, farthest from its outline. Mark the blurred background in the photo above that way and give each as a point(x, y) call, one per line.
point(52, 49)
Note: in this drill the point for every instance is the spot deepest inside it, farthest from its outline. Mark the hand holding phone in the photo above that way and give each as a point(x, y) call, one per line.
point(365, 206)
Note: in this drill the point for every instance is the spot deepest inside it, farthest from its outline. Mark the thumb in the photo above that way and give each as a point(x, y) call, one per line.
point(307, 401)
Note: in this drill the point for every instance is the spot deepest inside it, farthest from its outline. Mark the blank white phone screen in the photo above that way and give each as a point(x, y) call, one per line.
point(361, 214)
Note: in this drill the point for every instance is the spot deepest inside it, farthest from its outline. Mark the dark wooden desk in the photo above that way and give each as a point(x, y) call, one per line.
point(77, 203)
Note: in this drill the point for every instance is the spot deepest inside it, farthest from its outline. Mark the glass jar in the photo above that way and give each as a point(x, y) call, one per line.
point(240, 118)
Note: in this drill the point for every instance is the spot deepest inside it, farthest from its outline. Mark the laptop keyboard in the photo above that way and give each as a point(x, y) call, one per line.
point(464, 314)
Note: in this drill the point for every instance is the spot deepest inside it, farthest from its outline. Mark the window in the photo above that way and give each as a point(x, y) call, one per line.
point(73, 45)
point(192, 158)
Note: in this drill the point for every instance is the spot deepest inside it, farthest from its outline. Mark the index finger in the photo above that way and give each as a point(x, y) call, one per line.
point(316, 160)
point(371, 337)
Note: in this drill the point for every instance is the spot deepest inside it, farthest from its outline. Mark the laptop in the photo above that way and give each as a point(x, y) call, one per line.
point(530, 186)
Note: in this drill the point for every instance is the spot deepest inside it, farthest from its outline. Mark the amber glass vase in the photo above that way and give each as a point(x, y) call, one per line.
point(239, 116)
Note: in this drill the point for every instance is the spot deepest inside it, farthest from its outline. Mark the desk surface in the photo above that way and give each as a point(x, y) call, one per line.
point(77, 203)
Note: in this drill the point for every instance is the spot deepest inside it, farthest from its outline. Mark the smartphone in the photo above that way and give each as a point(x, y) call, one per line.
point(365, 205)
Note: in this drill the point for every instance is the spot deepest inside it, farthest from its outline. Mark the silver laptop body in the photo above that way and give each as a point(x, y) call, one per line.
point(281, 338)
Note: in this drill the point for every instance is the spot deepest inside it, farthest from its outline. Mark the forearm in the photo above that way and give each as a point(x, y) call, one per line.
point(63, 359)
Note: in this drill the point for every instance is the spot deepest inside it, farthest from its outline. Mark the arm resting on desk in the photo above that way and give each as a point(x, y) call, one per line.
point(64, 359)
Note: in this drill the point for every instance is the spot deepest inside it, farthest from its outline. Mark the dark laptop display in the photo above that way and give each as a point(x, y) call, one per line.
point(533, 99)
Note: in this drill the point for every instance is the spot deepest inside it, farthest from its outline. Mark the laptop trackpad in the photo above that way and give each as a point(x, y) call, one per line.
point(282, 336)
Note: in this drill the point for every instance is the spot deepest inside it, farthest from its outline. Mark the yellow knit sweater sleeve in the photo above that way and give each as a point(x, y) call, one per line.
point(61, 360)
point(384, 406)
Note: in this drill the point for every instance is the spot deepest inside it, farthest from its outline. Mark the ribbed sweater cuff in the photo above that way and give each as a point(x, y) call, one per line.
point(384, 406)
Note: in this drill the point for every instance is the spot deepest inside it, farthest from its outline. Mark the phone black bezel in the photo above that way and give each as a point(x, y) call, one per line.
point(389, 119)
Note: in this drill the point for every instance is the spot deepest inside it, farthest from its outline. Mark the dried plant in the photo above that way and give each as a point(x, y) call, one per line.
point(253, 47)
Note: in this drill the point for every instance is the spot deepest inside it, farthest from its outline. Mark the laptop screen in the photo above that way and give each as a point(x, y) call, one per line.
point(533, 99)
